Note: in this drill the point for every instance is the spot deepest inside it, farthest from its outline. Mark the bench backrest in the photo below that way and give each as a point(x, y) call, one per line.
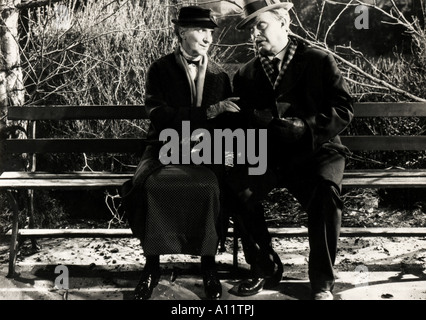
point(387, 143)
point(58, 145)
point(119, 145)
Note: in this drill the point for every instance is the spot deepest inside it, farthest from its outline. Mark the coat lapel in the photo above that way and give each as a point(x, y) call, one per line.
point(292, 75)
point(183, 65)
point(209, 81)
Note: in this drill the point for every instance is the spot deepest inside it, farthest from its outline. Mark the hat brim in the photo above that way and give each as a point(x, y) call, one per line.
point(242, 24)
point(194, 23)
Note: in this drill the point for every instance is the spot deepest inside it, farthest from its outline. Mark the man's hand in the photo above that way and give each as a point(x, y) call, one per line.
point(263, 117)
point(282, 107)
point(291, 129)
point(222, 106)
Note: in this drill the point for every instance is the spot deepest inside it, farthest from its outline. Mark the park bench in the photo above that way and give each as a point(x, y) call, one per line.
point(13, 181)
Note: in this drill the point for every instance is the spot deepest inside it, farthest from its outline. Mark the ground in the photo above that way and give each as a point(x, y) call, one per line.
point(367, 268)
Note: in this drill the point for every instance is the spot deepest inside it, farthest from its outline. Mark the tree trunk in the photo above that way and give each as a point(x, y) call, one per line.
point(11, 85)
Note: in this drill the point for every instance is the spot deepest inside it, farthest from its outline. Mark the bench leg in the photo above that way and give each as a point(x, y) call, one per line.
point(34, 243)
point(235, 252)
point(14, 238)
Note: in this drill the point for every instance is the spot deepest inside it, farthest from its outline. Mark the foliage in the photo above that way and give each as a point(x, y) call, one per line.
point(385, 62)
point(363, 208)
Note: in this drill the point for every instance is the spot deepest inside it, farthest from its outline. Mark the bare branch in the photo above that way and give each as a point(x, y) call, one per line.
point(362, 72)
point(300, 24)
point(320, 19)
point(335, 20)
point(35, 4)
point(363, 84)
point(217, 1)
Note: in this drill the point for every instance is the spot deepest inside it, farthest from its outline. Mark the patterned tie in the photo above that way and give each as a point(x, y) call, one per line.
point(275, 65)
point(267, 64)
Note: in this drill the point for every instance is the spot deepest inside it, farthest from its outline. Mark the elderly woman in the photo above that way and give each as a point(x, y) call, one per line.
point(174, 209)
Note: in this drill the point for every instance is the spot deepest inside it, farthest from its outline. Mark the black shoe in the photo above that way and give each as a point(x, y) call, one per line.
point(212, 285)
point(322, 295)
point(256, 285)
point(146, 285)
point(276, 278)
point(251, 286)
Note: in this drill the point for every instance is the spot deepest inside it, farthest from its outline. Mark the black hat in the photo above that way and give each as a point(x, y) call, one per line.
point(194, 16)
point(252, 8)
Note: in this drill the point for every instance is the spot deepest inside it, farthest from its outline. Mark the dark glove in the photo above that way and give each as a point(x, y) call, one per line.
point(226, 105)
point(290, 129)
point(263, 117)
point(282, 107)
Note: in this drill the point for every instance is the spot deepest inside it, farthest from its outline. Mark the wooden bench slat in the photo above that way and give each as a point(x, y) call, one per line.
point(354, 232)
point(415, 178)
point(368, 173)
point(390, 109)
point(23, 180)
point(76, 112)
point(66, 175)
point(385, 182)
point(125, 145)
point(275, 232)
point(385, 173)
point(74, 233)
point(354, 143)
point(60, 183)
point(368, 182)
point(60, 112)
point(384, 143)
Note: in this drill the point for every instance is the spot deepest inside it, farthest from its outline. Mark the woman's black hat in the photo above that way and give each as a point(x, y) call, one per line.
point(194, 16)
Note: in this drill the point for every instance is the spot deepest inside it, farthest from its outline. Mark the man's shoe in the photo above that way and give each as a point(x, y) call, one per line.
point(251, 286)
point(322, 295)
point(212, 285)
point(256, 285)
point(275, 279)
point(146, 285)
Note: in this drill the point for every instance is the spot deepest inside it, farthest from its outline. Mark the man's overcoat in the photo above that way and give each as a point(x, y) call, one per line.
point(314, 90)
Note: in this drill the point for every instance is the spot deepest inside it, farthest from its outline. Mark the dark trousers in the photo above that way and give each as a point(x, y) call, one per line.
point(322, 202)
point(324, 208)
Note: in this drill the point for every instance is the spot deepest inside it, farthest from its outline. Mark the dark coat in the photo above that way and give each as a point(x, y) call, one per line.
point(168, 103)
point(315, 90)
point(168, 95)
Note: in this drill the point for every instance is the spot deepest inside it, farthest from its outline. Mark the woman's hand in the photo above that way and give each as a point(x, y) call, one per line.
point(227, 105)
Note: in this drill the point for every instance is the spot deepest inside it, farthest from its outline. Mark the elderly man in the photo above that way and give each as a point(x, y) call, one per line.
point(175, 209)
point(297, 93)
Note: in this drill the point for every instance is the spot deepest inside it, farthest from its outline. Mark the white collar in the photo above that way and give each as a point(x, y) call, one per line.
point(280, 55)
point(187, 56)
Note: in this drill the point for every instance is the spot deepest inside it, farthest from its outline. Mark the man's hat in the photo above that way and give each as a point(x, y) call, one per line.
point(194, 16)
point(252, 8)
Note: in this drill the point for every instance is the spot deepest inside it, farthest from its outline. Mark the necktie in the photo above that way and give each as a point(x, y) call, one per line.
point(275, 65)
point(193, 62)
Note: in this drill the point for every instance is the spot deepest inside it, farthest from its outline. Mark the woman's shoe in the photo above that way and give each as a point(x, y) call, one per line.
point(147, 283)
